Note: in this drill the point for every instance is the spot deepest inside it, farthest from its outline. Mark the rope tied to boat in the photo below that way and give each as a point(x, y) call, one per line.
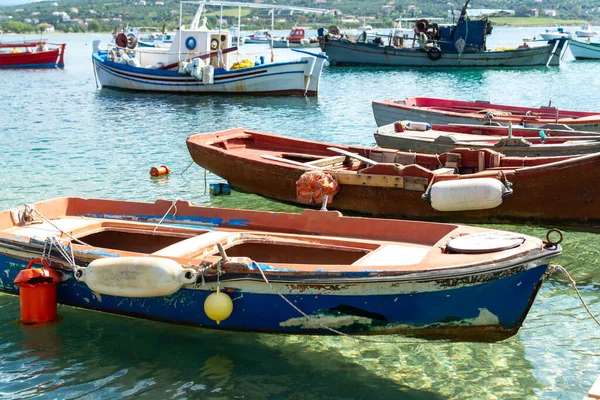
point(553, 268)
point(173, 206)
point(254, 264)
point(27, 219)
point(51, 242)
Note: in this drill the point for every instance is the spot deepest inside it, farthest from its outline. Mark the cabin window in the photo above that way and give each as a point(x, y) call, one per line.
point(135, 241)
point(292, 253)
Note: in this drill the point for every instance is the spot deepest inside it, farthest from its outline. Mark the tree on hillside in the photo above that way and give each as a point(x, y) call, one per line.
point(523, 11)
point(94, 26)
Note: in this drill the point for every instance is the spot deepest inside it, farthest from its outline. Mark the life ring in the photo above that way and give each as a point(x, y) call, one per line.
point(131, 41)
point(434, 54)
point(421, 26)
point(190, 43)
point(121, 40)
point(334, 30)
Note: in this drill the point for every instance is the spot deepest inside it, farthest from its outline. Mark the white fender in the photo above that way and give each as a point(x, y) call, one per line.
point(467, 194)
point(136, 276)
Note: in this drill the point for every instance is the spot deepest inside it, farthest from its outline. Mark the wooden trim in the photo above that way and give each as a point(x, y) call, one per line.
point(371, 180)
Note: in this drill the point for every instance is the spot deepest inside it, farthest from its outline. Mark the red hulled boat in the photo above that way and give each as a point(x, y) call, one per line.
point(465, 185)
point(34, 54)
point(445, 111)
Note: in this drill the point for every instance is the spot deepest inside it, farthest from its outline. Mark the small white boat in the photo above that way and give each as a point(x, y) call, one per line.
point(557, 34)
point(586, 32)
point(262, 36)
point(156, 40)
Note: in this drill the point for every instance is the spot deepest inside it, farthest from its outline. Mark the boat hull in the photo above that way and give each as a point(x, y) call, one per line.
point(44, 59)
point(398, 142)
point(475, 306)
point(585, 51)
point(557, 193)
point(293, 78)
point(344, 53)
point(284, 44)
point(386, 112)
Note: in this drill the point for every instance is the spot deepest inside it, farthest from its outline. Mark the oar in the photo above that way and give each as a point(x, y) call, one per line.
point(353, 155)
point(291, 162)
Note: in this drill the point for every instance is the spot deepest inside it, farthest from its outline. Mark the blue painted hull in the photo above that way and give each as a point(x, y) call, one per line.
point(47, 65)
point(483, 306)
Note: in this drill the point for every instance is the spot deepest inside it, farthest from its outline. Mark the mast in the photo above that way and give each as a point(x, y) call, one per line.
point(272, 33)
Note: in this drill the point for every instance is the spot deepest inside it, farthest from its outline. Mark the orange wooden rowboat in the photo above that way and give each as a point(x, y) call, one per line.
point(311, 273)
point(373, 181)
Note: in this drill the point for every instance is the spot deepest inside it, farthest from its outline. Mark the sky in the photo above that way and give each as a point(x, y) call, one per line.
point(15, 2)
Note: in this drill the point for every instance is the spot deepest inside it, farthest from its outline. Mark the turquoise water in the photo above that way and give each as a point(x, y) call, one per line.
point(60, 136)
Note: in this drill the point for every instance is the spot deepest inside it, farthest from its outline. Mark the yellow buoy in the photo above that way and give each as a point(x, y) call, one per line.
point(218, 306)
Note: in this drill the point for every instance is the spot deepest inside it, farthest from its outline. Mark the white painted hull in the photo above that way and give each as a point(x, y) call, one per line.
point(585, 51)
point(299, 77)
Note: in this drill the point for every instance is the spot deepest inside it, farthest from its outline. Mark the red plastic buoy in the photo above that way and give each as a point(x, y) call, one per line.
point(37, 288)
point(158, 171)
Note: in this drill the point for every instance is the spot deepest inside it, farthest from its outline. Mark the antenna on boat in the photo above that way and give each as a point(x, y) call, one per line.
point(272, 33)
point(239, 33)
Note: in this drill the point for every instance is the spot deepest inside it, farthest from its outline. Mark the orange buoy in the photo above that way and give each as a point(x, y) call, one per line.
point(158, 171)
point(37, 287)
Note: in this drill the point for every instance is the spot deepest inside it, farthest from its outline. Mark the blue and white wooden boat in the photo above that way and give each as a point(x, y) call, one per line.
point(201, 61)
point(585, 50)
point(437, 45)
point(308, 273)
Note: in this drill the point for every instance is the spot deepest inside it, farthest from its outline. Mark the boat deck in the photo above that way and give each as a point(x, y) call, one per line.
point(385, 246)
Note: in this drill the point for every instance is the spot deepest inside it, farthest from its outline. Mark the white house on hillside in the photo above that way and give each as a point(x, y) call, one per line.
point(46, 28)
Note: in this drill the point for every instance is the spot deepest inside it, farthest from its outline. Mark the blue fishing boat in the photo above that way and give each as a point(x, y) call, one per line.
point(311, 273)
point(462, 44)
point(201, 61)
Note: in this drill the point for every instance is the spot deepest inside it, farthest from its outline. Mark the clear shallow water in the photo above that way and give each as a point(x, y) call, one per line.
point(60, 136)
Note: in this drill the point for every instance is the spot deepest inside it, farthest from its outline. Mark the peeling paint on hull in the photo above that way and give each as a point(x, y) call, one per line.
point(483, 310)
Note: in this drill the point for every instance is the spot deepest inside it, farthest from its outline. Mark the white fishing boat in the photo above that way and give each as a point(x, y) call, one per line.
point(262, 36)
point(585, 50)
point(201, 60)
point(585, 32)
point(557, 34)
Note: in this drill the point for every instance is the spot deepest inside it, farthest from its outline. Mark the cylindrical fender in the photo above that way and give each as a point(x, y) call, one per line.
point(467, 194)
point(135, 276)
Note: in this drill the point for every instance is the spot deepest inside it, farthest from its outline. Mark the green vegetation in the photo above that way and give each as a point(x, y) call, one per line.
point(524, 21)
point(105, 15)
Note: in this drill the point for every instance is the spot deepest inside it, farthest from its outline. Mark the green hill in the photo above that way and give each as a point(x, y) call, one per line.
point(94, 15)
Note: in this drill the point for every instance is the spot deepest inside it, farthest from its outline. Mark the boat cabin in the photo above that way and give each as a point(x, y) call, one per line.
point(188, 43)
point(296, 35)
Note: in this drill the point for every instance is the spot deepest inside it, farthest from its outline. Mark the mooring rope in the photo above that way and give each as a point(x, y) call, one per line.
point(30, 209)
point(337, 332)
point(553, 268)
point(173, 205)
point(54, 242)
